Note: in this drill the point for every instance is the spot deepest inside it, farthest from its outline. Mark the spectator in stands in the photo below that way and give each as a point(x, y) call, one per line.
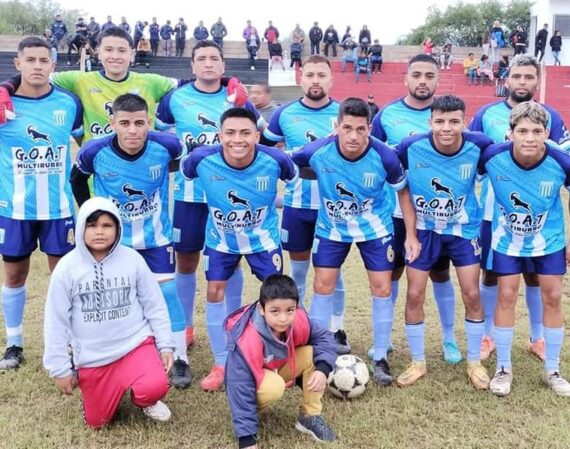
point(470, 67)
point(556, 46)
point(154, 33)
point(124, 25)
point(364, 38)
point(315, 36)
point(270, 34)
point(375, 53)
point(260, 96)
point(75, 45)
point(248, 31)
point(218, 32)
point(486, 42)
point(498, 34)
point(362, 66)
point(330, 39)
point(81, 27)
point(372, 106)
point(518, 40)
point(93, 30)
point(446, 58)
point(349, 52)
point(485, 68)
point(166, 32)
point(540, 42)
point(427, 46)
point(180, 36)
point(108, 24)
point(298, 35)
point(50, 38)
point(275, 54)
point(143, 51)
point(296, 53)
point(59, 31)
point(503, 67)
point(139, 31)
point(252, 42)
point(346, 33)
point(201, 32)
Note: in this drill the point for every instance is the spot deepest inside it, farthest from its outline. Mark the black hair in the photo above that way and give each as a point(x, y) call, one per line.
point(34, 42)
point(115, 32)
point(129, 103)
point(355, 107)
point(207, 44)
point(238, 113)
point(278, 286)
point(423, 58)
point(448, 103)
point(94, 216)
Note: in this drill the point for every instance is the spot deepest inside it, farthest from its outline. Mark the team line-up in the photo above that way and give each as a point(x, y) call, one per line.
point(400, 185)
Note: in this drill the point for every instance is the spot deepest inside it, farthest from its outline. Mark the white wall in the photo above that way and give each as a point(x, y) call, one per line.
point(544, 11)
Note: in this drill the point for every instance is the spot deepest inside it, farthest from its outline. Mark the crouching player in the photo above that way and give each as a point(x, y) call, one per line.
point(442, 167)
point(351, 170)
point(272, 342)
point(103, 297)
point(528, 235)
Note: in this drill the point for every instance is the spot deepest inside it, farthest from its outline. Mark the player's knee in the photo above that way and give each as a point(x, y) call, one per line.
point(149, 392)
point(472, 298)
point(324, 286)
point(381, 289)
point(215, 291)
point(415, 297)
point(507, 297)
point(551, 297)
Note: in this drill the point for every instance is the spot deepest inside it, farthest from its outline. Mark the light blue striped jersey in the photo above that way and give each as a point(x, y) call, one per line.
point(196, 117)
point(353, 206)
point(138, 185)
point(442, 186)
point(297, 124)
point(529, 217)
point(35, 159)
point(242, 216)
point(493, 120)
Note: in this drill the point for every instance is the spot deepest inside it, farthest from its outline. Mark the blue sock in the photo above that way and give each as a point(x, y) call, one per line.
point(299, 270)
point(503, 337)
point(444, 295)
point(489, 301)
point(321, 309)
point(215, 315)
point(13, 302)
point(553, 338)
point(395, 291)
point(474, 333)
point(186, 289)
point(382, 319)
point(534, 304)
point(415, 334)
point(338, 304)
point(176, 314)
point(234, 290)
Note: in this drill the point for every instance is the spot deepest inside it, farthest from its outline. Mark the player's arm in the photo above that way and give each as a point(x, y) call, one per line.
point(324, 354)
point(273, 134)
point(412, 244)
point(81, 172)
point(301, 159)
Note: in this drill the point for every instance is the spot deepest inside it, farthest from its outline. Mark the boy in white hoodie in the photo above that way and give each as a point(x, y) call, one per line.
point(103, 297)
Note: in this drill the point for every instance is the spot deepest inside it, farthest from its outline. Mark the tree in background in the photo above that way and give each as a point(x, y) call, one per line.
point(463, 24)
point(33, 17)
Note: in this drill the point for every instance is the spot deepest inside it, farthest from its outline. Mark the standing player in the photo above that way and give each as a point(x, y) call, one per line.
point(35, 196)
point(528, 234)
point(447, 217)
point(351, 171)
point(131, 168)
point(240, 180)
point(493, 120)
point(396, 121)
point(195, 110)
point(297, 124)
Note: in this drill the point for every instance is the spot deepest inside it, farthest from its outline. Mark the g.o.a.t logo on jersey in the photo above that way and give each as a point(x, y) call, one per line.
point(102, 129)
point(522, 221)
point(347, 206)
point(444, 207)
point(137, 204)
point(42, 158)
point(241, 217)
point(207, 136)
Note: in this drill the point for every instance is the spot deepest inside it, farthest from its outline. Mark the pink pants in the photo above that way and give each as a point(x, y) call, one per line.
point(103, 387)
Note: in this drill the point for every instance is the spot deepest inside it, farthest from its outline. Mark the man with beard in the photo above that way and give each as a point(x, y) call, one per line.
point(298, 123)
point(402, 118)
point(493, 120)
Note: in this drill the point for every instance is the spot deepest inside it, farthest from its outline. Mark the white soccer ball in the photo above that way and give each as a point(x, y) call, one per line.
point(349, 377)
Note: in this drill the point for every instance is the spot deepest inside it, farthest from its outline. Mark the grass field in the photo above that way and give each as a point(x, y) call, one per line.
point(442, 410)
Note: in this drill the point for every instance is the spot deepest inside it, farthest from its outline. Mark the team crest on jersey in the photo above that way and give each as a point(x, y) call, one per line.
point(465, 171)
point(546, 188)
point(369, 180)
point(59, 117)
point(206, 121)
point(36, 135)
point(236, 200)
point(518, 203)
point(155, 171)
point(310, 135)
point(242, 217)
point(346, 206)
point(521, 221)
point(262, 183)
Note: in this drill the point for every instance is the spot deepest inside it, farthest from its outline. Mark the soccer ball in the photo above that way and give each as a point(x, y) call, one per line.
point(349, 377)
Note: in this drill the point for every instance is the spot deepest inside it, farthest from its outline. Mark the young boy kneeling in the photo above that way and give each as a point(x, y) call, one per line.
point(103, 297)
point(271, 343)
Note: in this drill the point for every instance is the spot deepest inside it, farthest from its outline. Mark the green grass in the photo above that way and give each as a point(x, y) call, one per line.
point(441, 411)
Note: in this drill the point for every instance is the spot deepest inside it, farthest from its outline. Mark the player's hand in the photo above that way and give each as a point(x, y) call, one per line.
point(6, 106)
point(413, 248)
point(317, 382)
point(237, 92)
point(66, 384)
point(167, 360)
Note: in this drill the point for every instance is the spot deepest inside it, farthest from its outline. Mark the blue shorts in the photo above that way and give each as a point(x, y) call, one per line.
point(485, 237)
point(220, 266)
point(19, 238)
point(377, 254)
point(160, 260)
point(461, 251)
point(189, 226)
point(554, 263)
point(298, 229)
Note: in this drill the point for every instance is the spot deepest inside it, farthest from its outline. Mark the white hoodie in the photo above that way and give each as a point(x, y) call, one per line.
point(105, 308)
